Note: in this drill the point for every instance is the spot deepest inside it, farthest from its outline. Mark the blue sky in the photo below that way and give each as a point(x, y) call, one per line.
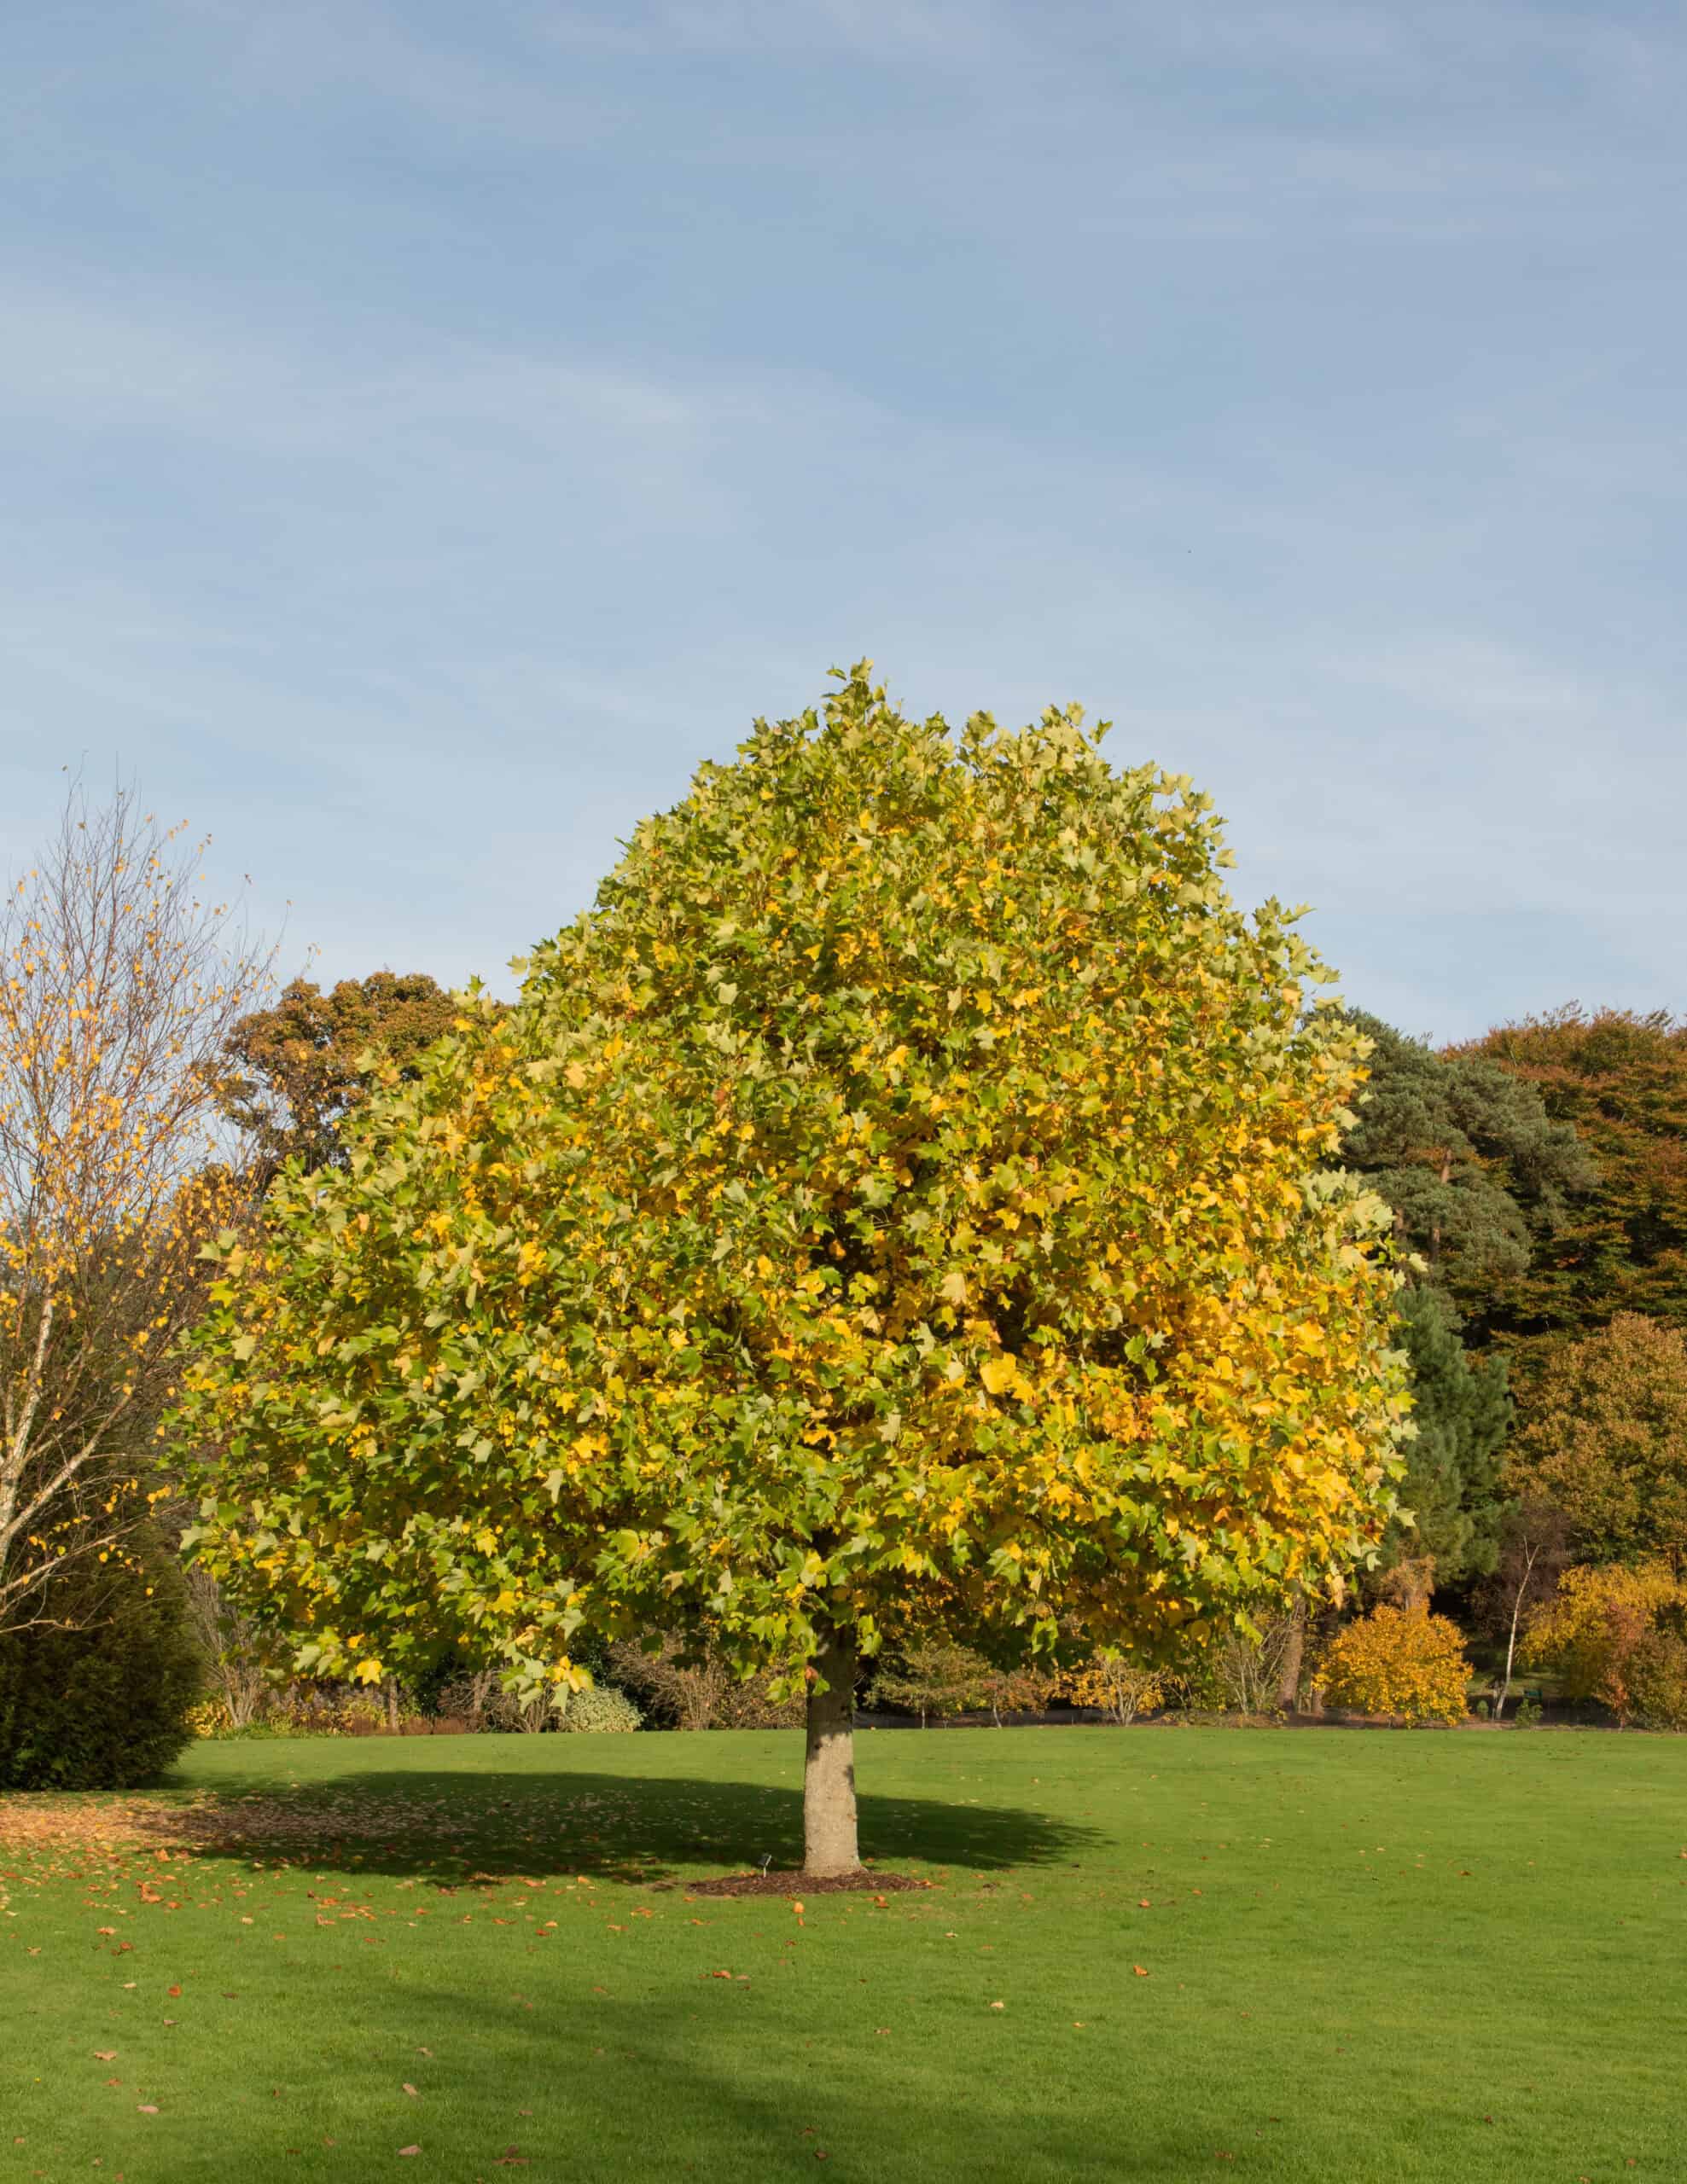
point(429, 430)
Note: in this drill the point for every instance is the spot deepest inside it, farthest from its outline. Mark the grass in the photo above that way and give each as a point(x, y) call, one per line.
point(1368, 1956)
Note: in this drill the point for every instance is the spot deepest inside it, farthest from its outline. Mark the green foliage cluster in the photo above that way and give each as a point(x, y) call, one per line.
point(1462, 1409)
point(104, 1703)
point(1479, 1174)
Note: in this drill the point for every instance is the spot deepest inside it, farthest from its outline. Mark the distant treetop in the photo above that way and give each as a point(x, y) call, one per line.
point(305, 1063)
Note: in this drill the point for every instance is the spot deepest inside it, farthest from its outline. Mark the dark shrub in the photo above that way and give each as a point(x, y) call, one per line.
point(104, 1705)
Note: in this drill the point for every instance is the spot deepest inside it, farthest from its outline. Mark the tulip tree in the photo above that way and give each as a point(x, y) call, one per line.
point(895, 1206)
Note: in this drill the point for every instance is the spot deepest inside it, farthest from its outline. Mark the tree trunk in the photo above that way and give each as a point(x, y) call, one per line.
point(1503, 1690)
point(829, 1845)
point(1289, 1684)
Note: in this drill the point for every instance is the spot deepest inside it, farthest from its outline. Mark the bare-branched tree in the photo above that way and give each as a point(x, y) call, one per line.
point(119, 984)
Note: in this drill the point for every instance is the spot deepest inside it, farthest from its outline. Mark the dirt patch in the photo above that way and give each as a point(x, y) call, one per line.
point(861, 1882)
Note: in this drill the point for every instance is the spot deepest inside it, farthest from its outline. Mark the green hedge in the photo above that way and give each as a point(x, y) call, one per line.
point(103, 1706)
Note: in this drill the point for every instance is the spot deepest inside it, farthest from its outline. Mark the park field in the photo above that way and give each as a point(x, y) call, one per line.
point(1157, 1953)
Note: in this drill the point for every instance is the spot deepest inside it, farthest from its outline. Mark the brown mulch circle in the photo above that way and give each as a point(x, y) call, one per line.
point(860, 1882)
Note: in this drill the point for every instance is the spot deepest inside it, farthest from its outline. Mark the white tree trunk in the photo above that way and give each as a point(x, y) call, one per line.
point(1504, 1691)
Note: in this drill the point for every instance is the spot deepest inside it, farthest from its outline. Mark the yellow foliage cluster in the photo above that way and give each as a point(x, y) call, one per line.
point(1595, 1624)
point(1400, 1661)
point(1121, 1689)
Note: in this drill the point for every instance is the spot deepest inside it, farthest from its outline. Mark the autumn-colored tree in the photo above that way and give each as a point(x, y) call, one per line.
point(1614, 1635)
point(1400, 1661)
point(1619, 1079)
point(1605, 1438)
point(293, 1072)
point(1115, 1684)
point(118, 986)
point(895, 1207)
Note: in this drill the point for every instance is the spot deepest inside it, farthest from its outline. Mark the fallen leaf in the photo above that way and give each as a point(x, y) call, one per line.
point(172, 1991)
point(105, 2054)
point(145, 2108)
point(409, 2090)
point(999, 2005)
point(409, 2149)
point(1141, 1971)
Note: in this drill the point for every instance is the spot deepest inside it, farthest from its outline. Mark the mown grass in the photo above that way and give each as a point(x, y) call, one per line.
point(1367, 1956)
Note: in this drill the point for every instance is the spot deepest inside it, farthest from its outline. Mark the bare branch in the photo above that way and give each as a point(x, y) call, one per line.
point(121, 982)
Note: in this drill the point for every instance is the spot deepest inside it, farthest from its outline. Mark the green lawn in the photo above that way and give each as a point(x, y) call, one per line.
point(1369, 1955)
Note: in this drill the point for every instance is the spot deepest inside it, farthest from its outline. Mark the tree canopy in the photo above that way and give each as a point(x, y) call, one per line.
point(1618, 1079)
point(895, 1202)
point(1462, 1411)
point(296, 1070)
point(1479, 1177)
point(1605, 1439)
point(1479, 1174)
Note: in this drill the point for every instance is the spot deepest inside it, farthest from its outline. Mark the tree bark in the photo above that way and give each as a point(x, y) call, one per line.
point(829, 1841)
point(1288, 1685)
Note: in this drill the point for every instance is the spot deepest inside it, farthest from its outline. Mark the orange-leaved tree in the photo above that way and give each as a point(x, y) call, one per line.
point(896, 1206)
point(119, 983)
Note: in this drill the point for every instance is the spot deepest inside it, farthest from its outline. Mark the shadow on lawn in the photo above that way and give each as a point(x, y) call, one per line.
point(445, 1825)
point(726, 2081)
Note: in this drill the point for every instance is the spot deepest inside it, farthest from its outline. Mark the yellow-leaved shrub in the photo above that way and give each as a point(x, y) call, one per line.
point(1121, 1688)
point(1399, 1661)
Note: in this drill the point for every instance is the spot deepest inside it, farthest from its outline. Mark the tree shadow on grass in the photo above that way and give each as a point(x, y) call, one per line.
point(711, 2081)
point(448, 1824)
